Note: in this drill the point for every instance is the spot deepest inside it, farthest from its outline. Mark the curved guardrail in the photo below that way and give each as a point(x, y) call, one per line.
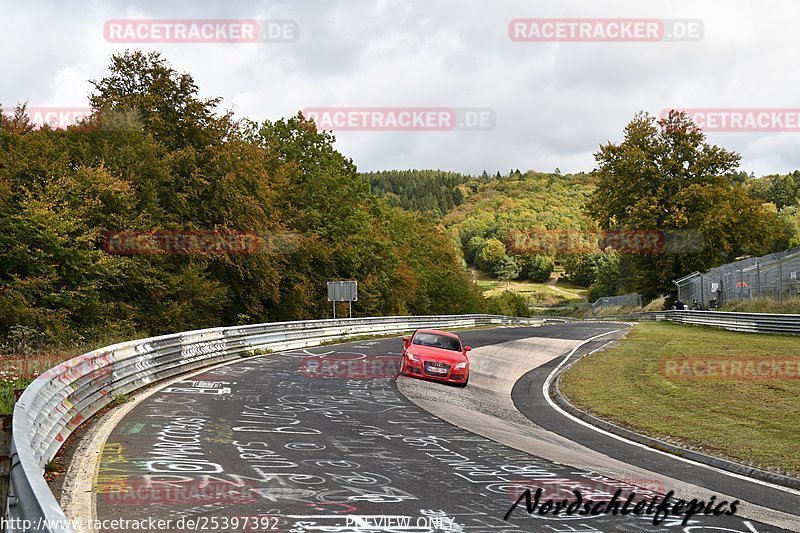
point(747, 322)
point(62, 398)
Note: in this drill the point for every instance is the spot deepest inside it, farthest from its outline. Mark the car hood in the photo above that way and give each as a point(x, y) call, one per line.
point(436, 354)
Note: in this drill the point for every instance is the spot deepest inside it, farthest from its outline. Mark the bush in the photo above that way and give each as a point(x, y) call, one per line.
point(536, 268)
point(507, 303)
point(607, 279)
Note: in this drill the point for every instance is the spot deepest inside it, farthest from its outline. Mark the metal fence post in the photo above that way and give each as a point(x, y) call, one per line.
point(780, 274)
point(741, 283)
point(758, 279)
point(702, 291)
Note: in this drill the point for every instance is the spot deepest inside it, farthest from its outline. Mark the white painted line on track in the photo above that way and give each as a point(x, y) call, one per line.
point(546, 388)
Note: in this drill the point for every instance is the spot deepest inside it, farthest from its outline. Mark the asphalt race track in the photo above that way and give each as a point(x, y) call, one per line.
point(263, 445)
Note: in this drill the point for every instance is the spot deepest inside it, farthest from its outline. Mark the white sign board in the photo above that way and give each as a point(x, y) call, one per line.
point(342, 291)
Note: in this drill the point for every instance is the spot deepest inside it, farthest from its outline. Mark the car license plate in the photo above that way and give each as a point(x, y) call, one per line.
point(437, 370)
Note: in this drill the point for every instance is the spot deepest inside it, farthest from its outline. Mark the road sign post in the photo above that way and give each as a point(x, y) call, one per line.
point(343, 291)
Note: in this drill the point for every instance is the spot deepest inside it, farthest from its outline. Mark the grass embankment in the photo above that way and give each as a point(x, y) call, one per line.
point(760, 305)
point(753, 421)
point(548, 294)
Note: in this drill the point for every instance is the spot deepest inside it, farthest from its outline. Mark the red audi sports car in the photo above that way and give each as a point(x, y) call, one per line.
point(436, 355)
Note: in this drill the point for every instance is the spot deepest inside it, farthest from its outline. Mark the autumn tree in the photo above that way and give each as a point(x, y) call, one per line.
point(665, 176)
point(156, 156)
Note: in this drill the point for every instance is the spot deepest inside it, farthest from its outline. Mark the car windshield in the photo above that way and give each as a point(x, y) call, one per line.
point(439, 341)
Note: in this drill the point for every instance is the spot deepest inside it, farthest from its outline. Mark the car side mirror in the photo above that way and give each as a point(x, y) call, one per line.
point(467, 348)
point(407, 341)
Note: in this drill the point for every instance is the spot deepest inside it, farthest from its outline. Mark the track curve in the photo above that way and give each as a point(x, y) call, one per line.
point(263, 441)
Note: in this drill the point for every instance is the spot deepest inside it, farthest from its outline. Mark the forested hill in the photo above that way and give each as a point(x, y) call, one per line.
point(517, 201)
point(485, 214)
point(488, 206)
point(431, 192)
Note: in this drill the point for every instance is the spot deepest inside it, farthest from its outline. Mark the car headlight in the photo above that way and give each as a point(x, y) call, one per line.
point(413, 357)
point(460, 366)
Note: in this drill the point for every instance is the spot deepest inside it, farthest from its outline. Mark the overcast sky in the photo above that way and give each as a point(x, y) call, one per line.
point(554, 103)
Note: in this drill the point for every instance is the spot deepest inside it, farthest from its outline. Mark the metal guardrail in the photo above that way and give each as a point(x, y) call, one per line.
point(747, 322)
point(62, 398)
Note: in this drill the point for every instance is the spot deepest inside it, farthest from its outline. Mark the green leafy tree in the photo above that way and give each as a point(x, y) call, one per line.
point(664, 175)
point(156, 156)
point(536, 267)
point(524, 211)
point(790, 219)
point(165, 101)
point(473, 247)
point(490, 254)
point(607, 277)
point(581, 269)
point(779, 190)
point(507, 269)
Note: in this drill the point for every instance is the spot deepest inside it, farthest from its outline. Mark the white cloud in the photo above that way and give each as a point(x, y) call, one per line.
point(554, 103)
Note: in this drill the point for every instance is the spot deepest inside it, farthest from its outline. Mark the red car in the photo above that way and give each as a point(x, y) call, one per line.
point(436, 355)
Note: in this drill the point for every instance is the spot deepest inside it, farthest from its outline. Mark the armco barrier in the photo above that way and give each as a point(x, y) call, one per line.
point(748, 322)
point(65, 396)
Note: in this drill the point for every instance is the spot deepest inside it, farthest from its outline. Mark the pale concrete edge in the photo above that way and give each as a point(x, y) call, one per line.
point(772, 517)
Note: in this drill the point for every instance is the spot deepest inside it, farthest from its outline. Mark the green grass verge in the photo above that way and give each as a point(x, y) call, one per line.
point(756, 422)
point(538, 294)
point(764, 306)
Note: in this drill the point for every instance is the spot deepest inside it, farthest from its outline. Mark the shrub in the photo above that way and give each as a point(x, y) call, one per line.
point(507, 303)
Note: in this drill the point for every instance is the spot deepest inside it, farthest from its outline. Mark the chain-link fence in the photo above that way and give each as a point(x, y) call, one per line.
point(773, 276)
point(625, 300)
